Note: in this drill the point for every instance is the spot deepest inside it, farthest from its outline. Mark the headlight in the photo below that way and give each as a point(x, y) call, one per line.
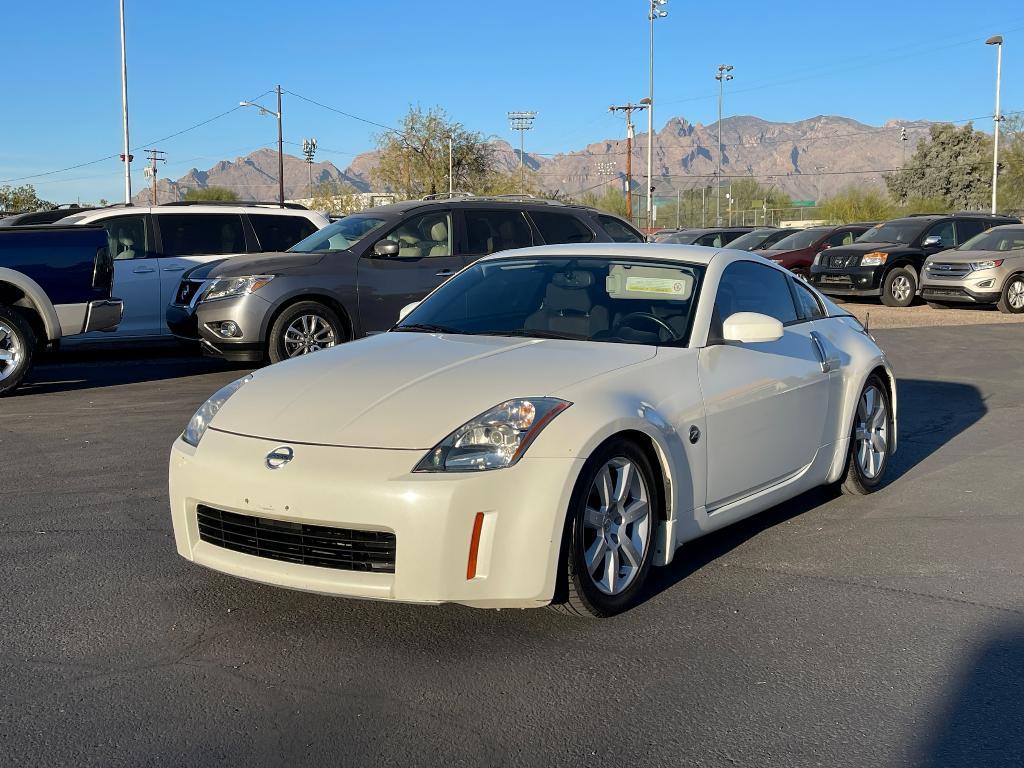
point(495, 439)
point(235, 286)
point(874, 259)
point(199, 423)
point(977, 266)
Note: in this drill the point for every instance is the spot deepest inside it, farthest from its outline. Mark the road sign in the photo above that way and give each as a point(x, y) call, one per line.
point(804, 203)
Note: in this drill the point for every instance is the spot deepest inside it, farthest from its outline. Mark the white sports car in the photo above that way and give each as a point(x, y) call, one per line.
point(542, 429)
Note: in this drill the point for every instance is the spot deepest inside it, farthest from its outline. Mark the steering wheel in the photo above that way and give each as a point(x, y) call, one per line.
point(652, 318)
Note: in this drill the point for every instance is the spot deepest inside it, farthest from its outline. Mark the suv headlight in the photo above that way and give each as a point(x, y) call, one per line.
point(495, 439)
point(200, 422)
point(874, 259)
point(977, 266)
point(227, 287)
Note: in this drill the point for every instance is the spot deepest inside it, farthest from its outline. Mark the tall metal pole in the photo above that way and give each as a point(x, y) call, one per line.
point(721, 77)
point(650, 119)
point(124, 116)
point(451, 181)
point(522, 164)
point(997, 41)
point(677, 209)
point(280, 151)
point(522, 122)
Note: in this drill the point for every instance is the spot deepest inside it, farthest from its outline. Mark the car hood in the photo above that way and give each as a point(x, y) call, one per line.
point(862, 248)
point(954, 256)
point(264, 263)
point(409, 390)
point(774, 253)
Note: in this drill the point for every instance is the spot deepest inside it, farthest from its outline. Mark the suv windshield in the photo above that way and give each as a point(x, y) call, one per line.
point(342, 234)
point(999, 239)
point(894, 232)
point(802, 239)
point(585, 299)
point(751, 240)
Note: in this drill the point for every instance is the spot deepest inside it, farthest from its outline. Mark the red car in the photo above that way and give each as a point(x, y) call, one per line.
point(797, 251)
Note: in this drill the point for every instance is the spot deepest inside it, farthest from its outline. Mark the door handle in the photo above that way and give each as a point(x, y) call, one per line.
point(174, 269)
point(826, 364)
point(143, 270)
point(444, 273)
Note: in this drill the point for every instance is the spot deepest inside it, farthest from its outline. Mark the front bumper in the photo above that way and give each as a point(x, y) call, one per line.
point(431, 515)
point(181, 321)
point(851, 281)
point(248, 313)
point(103, 315)
point(957, 293)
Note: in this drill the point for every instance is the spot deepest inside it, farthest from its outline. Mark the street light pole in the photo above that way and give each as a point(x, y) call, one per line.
point(723, 75)
point(124, 116)
point(997, 41)
point(522, 122)
point(280, 140)
point(655, 13)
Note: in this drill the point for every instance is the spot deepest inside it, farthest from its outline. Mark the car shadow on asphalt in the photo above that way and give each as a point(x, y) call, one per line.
point(88, 368)
point(931, 413)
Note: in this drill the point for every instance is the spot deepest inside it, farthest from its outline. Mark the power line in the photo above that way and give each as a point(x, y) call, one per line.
point(344, 113)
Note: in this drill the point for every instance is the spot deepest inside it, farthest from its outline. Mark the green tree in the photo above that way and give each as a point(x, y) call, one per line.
point(414, 159)
point(950, 165)
point(23, 198)
point(335, 197)
point(1011, 161)
point(856, 203)
point(216, 194)
point(610, 199)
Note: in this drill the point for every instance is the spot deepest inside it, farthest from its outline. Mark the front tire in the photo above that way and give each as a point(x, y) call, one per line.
point(609, 534)
point(17, 349)
point(899, 288)
point(1011, 300)
point(870, 440)
point(303, 328)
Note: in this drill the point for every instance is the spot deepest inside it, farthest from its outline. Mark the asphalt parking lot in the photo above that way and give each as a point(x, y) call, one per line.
point(830, 631)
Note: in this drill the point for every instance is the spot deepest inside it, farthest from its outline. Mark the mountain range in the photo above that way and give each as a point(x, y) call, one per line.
point(807, 160)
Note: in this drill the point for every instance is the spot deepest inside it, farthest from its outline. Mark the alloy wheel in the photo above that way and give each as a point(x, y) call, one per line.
point(1015, 294)
point(900, 288)
point(872, 433)
point(308, 333)
point(616, 526)
point(11, 352)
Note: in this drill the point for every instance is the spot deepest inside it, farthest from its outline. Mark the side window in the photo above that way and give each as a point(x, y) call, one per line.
point(750, 287)
point(490, 231)
point(943, 229)
point(279, 233)
point(807, 303)
point(965, 230)
point(557, 228)
point(713, 240)
point(207, 234)
point(839, 238)
point(619, 231)
point(429, 234)
point(127, 237)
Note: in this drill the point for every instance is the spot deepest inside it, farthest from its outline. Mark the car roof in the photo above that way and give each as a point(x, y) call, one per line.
point(515, 202)
point(103, 213)
point(690, 254)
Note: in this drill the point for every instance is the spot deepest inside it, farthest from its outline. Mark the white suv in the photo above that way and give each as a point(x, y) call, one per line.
point(152, 246)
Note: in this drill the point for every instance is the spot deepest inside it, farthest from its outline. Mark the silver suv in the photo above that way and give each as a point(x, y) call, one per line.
point(354, 276)
point(987, 269)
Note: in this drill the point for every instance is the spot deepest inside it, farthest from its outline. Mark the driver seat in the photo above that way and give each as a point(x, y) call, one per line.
point(568, 308)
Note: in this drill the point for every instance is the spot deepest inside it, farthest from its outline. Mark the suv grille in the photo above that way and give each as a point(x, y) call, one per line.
point(941, 269)
point(187, 291)
point(344, 549)
point(842, 261)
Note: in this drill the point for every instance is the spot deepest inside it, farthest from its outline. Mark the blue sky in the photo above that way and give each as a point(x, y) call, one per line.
point(190, 60)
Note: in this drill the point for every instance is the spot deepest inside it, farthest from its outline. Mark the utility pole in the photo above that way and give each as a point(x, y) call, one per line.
point(723, 75)
point(280, 140)
point(522, 122)
point(655, 12)
point(677, 208)
point(451, 164)
point(629, 109)
point(155, 155)
point(309, 150)
point(126, 156)
point(997, 41)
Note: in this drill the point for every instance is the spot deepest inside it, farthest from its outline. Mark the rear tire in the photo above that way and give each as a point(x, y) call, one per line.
point(610, 533)
point(1011, 300)
point(17, 349)
point(899, 287)
point(870, 440)
point(302, 328)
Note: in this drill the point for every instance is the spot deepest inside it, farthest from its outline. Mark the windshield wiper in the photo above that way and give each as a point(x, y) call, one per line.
point(426, 328)
point(538, 334)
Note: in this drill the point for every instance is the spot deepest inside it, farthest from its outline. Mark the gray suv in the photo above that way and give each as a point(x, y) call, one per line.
point(987, 269)
point(355, 275)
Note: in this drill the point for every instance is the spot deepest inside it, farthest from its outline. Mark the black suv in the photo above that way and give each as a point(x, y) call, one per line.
point(886, 260)
point(352, 277)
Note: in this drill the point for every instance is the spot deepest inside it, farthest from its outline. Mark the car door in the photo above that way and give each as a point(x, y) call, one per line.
point(136, 277)
point(425, 259)
point(188, 239)
point(766, 403)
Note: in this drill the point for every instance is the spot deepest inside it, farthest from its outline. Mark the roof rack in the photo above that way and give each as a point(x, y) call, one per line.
point(447, 195)
point(239, 203)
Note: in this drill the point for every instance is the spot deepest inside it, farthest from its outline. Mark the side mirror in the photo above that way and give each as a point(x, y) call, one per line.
point(406, 310)
point(751, 327)
point(932, 241)
point(387, 248)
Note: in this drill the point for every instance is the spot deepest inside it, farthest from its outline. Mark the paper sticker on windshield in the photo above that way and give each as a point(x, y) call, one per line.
point(656, 285)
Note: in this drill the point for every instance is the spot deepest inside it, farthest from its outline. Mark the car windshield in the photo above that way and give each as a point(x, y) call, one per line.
point(998, 239)
point(805, 238)
point(751, 240)
point(894, 232)
point(585, 299)
point(339, 236)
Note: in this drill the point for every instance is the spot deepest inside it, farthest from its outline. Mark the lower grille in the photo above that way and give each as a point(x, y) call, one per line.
point(344, 549)
point(944, 292)
point(841, 261)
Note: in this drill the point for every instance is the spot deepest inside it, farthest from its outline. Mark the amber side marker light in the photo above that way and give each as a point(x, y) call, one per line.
point(474, 546)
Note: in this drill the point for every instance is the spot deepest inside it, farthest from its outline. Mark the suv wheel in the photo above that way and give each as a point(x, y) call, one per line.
point(302, 328)
point(1012, 299)
point(17, 348)
point(899, 288)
